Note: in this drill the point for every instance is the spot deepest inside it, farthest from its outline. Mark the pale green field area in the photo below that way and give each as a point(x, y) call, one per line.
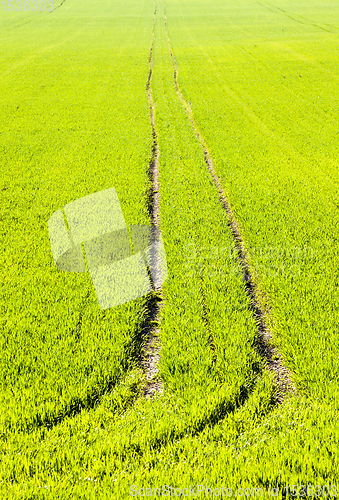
point(261, 79)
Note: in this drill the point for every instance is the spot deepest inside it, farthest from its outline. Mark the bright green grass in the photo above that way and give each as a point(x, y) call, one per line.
point(202, 386)
point(74, 121)
point(266, 104)
point(215, 425)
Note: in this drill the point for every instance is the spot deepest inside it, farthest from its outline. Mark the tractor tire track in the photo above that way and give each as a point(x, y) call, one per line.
point(264, 346)
point(150, 356)
point(301, 20)
point(55, 8)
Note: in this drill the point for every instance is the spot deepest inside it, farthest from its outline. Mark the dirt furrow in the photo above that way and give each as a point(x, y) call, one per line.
point(264, 344)
point(151, 353)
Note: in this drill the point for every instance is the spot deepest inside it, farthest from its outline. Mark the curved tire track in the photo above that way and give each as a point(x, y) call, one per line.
point(264, 345)
point(151, 353)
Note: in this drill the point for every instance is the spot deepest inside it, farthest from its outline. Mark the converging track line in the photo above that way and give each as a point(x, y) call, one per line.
point(151, 353)
point(301, 20)
point(268, 352)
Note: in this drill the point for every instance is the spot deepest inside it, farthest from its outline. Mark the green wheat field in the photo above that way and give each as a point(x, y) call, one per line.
point(259, 81)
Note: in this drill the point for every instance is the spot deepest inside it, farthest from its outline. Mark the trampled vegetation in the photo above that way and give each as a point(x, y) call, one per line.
point(250, 86)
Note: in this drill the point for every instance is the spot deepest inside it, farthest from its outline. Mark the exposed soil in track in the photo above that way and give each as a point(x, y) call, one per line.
point(264, 345)
point(151, 352)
